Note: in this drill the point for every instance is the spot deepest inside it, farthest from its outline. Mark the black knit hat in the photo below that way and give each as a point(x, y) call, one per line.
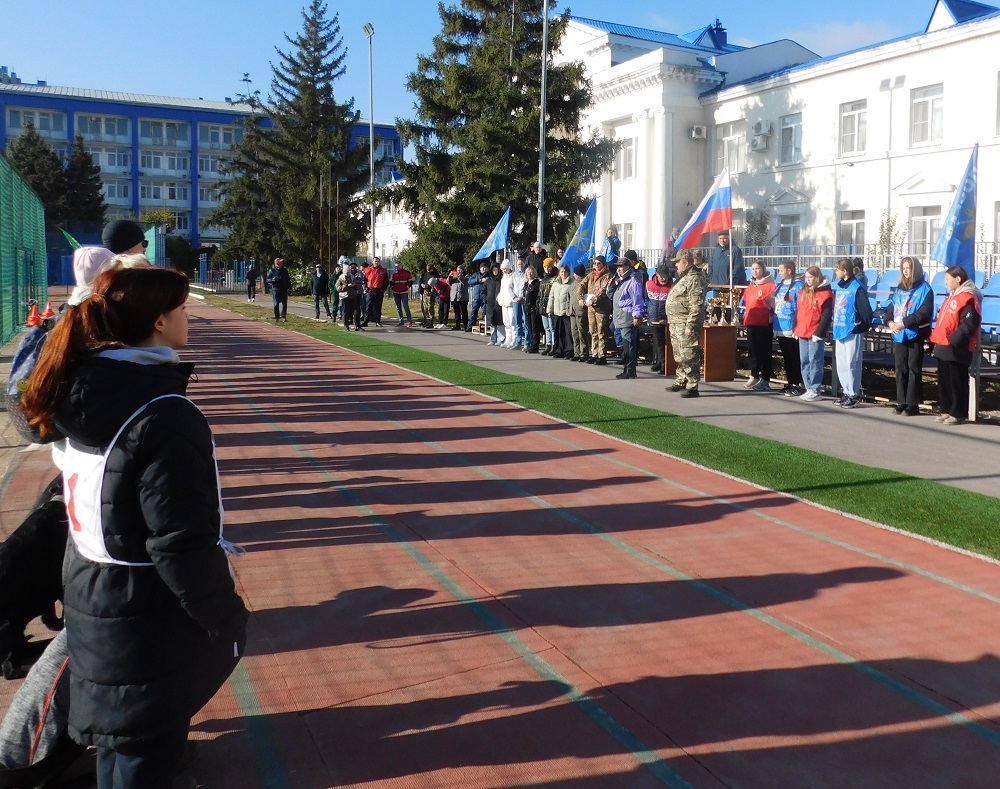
point(580, 270)
point(122, 235)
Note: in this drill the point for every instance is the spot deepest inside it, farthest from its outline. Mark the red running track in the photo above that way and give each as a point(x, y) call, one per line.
point(451, 591)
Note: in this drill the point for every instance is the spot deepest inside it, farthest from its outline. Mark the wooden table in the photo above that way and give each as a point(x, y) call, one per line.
point(719, 347)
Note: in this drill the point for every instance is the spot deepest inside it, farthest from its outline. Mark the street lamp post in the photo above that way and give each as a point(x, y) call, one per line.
point(370, 31)
point(541, 122)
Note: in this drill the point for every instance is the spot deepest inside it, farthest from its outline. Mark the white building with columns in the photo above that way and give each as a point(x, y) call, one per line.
point(826, 147)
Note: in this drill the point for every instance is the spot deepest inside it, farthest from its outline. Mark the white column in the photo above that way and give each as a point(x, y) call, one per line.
point(604, 199)
point(662, 175)
point(645, 165)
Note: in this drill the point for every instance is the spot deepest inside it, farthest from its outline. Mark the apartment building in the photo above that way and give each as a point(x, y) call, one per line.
point(153, 151)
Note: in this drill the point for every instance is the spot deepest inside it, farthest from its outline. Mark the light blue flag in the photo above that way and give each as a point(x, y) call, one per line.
point(956, 246)
point(497, 239)
point(581, 248)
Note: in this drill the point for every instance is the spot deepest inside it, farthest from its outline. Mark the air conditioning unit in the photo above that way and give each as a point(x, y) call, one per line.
point(758, 143)
point(699, 132)
point(762, 128)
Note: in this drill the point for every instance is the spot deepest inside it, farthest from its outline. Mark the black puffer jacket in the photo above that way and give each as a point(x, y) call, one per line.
point(149, 645)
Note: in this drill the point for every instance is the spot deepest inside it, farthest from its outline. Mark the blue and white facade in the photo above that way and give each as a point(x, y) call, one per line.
point(153, 151)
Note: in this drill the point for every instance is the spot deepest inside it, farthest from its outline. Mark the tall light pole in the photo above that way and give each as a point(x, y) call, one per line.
point(541, 122)
point(370, 31)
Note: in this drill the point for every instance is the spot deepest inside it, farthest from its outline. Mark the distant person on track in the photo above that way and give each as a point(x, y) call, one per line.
point(320, 286)
point(281, 284)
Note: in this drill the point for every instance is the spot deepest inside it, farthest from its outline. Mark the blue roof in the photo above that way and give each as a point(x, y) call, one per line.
point(686, 41)
point(964, 10)
point(991, 12)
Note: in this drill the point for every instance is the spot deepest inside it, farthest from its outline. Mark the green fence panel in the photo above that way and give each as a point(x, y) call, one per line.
point(23, 263)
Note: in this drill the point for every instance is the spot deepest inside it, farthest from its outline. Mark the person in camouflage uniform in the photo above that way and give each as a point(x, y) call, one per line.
point(686, 316)
point(592, 293)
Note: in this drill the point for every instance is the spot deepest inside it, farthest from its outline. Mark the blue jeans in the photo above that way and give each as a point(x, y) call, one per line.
point(474, 309)
point(403, 304)
point(326, 304)
point(520, 326)
point(849, 355)
point(811, 362)
point(280, 299)
point(549, 328)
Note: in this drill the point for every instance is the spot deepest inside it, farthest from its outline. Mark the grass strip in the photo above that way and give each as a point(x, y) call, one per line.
point(957, 517)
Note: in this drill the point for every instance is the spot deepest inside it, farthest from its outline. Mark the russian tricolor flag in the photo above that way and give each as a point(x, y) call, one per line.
point(715, 213)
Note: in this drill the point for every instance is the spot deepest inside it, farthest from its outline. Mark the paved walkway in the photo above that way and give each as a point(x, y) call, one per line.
point(450, 591)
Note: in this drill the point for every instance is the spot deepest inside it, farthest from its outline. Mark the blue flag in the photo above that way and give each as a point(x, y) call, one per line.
point(581, 248)
point(497, 239)
point(956, 246)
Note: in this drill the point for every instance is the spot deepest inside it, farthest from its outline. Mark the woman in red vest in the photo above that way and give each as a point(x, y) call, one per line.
point(758, 298)
point(955, 336)
point(813, 314)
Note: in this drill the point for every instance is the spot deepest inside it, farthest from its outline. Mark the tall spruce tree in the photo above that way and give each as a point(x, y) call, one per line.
point(303, 137)
point(477, 128)
point(84, 198)
point(38, 164)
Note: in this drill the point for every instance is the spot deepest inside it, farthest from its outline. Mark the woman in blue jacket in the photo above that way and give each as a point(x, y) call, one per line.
point(852, 316)
point(786, 299)
point(908, 316)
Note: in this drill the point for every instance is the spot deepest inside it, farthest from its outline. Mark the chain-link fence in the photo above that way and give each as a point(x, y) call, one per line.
point(23, 272)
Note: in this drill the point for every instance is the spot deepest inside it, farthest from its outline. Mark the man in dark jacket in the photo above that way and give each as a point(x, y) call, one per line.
point(281, 284)
point(477, 292)
point(321, 290)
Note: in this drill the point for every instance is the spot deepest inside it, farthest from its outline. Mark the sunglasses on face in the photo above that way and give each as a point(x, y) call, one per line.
point(145, 243)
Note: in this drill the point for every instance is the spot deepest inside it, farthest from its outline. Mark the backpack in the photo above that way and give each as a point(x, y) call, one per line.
point(25, 359)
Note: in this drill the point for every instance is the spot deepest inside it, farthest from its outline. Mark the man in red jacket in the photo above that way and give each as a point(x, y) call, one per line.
point(401, 282)
point(376, 280)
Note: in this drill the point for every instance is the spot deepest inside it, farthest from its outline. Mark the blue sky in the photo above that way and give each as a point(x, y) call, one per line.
point(193, 49)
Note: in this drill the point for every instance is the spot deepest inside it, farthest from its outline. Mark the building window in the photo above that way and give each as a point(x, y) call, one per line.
point(627, 235)
point(103, 127)
point(625, 160)
point(730, 147)
point(386, 150)
point(925, 227)
point(176, 191)
point(791, 139)
point(151, 160)
point(208, 163)
point(853, 127)
point(46, 123)
point(163, 132)
point(182, 222)
point(149, 191)
point(118, 158)
point(211, 136)
point(117, 190)
point(179, 162)
point(851, 230)
point(208, 194)
point(926, 114)
point(789, 233)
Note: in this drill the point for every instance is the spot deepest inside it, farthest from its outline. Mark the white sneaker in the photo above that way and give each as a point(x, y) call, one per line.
point(811, 397)
point(752, 381)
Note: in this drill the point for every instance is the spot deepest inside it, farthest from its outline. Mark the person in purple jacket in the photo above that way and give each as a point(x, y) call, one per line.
point(629, 302)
